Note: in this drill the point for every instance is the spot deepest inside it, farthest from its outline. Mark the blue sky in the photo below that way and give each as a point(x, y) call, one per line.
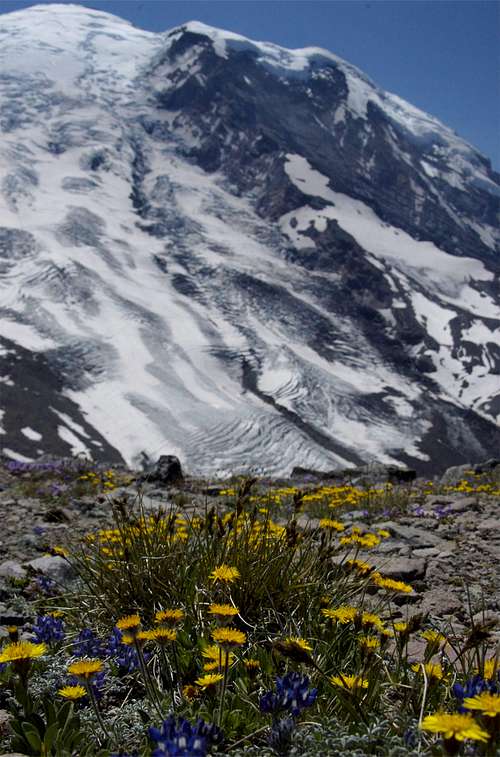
point(441, 55)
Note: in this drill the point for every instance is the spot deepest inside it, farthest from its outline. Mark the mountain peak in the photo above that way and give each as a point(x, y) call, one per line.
point(243, 255)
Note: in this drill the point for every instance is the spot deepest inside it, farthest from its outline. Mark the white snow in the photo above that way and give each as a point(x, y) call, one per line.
point(16, 455)
point(77, 446)
point(31, 434)
point(25, 335)
point(70, 423)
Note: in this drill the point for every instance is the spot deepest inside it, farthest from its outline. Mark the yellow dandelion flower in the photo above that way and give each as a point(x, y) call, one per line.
point(223, 612)
point(303, 644)
point(433, 637)
point(391, 585)
point(85, 668)
point(21, 651)
point(433, 670)
point(224, 573)
point(130, 623)
point(351, 683)
point(491, 668)
point(211, 652)
point(401, 627)
point(488, 704)
point(164, 635)
point(61, 551)
point(295, 648)
point(190, 692)
point(383, 533)
point(332, 525)
point(368, 643)
point(360, 566)
point(144, 635)
point(454, 726)
point(209, 666)
point(72, 692)
point(370, 619)
point(170, 617)
point(344, 614)
point(13, 632)
point(228, 637)
point(251, 665)
point(211, 679)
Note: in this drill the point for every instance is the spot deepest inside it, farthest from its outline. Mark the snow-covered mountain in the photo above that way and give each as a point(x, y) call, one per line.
point(248, 256)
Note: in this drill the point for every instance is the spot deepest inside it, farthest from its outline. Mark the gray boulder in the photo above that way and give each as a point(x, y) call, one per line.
point(54, 567)
point(165, 472)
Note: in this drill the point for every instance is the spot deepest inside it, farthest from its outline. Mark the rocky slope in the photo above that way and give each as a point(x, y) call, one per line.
point(447, 545)
point(246, 255)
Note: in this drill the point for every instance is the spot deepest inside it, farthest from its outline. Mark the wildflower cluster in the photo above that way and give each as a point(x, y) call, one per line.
point(236, 623)
point(292, 694)
point(178, 737)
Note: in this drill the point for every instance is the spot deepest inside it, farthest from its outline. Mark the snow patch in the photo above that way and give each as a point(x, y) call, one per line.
point(31, 434)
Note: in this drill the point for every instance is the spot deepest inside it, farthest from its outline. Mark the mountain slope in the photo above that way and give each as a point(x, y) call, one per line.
point(245, 255)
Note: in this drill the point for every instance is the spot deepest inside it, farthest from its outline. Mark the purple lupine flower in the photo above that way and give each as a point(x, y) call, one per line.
point(48, 629)
point(124, 655)
point(475, 685)
point(87, 644)
point(177, 737)
point(292, 694)
point(46, 585)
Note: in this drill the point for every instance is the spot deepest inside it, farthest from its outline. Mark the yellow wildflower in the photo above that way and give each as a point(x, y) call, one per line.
point(72, 692)
point(163, 635)
point(352, 683)
point(488, 704)
point(228, 637)
point(332, 525)
point(130, 623)
point(223, 612)
point(401, 627)
point(190, 692)
point(391, 585)
point(454, 726)
point(296, 648)
point(432, 670)
point(433, 637)
point(370, 619)
point(209, 680)
point(170, 617)
point(85, 668)
point(344, 614)
point(360, 566)
point(21, 651)
point(251, 665)
point(225, 573)
point(491, 668)
point(368, 643)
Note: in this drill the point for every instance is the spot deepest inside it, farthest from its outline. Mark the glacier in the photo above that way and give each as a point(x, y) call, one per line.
point(180, 273)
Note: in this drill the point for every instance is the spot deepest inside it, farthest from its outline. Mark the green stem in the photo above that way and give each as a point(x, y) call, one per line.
point(148, 682)
point(224, 685)
point(168, 668)
point(95, 707)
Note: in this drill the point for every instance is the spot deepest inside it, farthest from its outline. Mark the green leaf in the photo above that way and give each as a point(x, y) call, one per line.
point(50, 737)
point(50, 712)
point(32, 736)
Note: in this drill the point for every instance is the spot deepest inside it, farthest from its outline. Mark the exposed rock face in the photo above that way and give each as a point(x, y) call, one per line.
point(166, 471)
point(250, 256)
